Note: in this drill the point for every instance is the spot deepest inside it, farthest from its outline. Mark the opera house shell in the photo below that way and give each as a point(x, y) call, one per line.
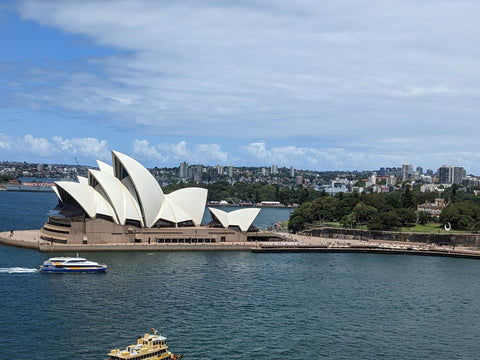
point(123, 203)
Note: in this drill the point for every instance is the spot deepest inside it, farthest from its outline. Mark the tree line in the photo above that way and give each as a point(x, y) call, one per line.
point(257, 192)
point(375, 211)
point(389, 211)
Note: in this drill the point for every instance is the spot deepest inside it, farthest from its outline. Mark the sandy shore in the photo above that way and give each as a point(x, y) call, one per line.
point(291, 243)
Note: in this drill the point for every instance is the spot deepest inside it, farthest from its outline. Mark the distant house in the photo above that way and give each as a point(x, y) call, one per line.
point(434, 209)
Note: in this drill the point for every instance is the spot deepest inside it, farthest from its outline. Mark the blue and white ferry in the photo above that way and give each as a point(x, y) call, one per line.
point(71, 264)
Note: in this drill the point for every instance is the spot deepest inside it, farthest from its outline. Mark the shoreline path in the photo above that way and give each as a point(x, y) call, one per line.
point(290, 243)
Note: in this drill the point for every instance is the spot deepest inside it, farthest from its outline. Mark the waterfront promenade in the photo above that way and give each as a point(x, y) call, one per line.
point(299, 243)
point(31, 239)
point(294, 243)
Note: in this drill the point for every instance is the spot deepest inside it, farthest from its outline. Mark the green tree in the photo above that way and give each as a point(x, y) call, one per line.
point(349, 220)
point(286, 195)
point(345, 204)
point(300, 217)
point(420, 197)
point(5, 178)
point(218, 191)
point(324, 208)
point(301, 195)
point(462, 215)
point(407, 216)
point(375, 200)
point(385, 221)
point(407, 198)
point(393, 200)
point(363, 213)
point(268, 193)
point(423, 217)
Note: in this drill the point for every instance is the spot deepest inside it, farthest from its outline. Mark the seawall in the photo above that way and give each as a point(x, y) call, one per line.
point(30, 239)
point(375, 249)
point(471, 240)
point(141, 247)
point(7, 239)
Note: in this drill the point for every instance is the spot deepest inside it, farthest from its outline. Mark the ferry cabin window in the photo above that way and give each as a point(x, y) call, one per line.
point(140, 357)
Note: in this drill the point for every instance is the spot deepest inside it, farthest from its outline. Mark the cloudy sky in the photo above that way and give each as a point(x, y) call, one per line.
point(323, 85)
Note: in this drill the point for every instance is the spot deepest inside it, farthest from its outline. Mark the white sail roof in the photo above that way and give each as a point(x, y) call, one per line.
point(141, 183)
point(82, 180)
point(117, 195)
point(128, 191)
point(104, 167)
point(242, 218)
point(192, 201)
point(55, 190)
point(171, 212)
point(89, 199)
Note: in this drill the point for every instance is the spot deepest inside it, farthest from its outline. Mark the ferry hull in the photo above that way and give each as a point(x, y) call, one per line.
point(73, 270)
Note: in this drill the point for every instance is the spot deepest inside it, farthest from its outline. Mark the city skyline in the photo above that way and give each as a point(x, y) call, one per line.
point(326, 86)
point(185, 169)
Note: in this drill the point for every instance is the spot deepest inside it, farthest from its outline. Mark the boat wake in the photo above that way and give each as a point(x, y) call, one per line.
point(17, 270)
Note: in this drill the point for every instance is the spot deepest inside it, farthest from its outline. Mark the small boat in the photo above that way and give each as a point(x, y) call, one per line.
point(151, 346)
point(71, 264)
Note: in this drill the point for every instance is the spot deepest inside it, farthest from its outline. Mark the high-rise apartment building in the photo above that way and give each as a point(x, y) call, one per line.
point(448, 174)
point(183, 170)
point(407, 171)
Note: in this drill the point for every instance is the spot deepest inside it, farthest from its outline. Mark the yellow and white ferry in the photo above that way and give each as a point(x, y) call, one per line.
point(149, 347)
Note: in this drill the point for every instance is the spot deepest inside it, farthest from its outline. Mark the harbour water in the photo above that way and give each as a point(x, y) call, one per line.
point(235, 305)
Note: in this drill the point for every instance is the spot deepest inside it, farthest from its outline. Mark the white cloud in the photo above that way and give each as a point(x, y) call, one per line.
point(179, 150)
point(88, 147)
point(257, 150)
point(211, 152)
point(334, 83)
point(143, 150)
point(39, 146)
point(263, 64)
point(40, 149)
point(328, 158)
point(5, 143)
point(169, 153)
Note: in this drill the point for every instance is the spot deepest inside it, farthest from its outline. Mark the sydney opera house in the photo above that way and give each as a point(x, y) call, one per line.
point(123, 203)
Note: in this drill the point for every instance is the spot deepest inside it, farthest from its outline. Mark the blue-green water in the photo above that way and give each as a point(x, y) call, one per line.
point(237, 305)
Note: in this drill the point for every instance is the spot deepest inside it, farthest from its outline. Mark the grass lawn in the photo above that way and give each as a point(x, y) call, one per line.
point(436, 228)
point(433, 228)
